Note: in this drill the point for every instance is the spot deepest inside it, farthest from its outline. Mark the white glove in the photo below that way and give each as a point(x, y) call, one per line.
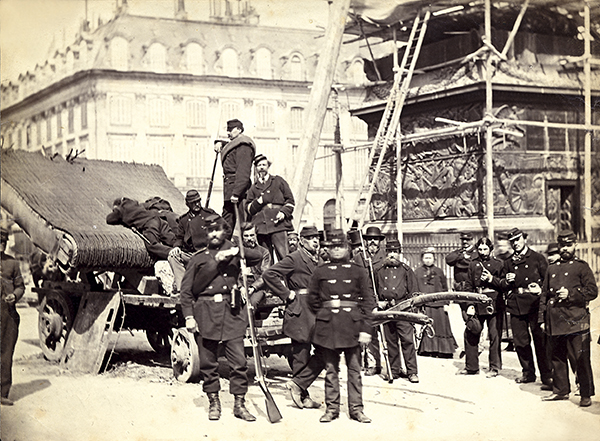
point(175, 253)
point(191, 325)
point(226, 254)
point(364, 338)
point(534, 288)
point(563, 293)
point(279, 217)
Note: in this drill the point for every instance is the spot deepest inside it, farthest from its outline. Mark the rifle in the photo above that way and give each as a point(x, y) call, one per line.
point(380, 329)
point(273, 412)
point(455, 296)
point(212, 176)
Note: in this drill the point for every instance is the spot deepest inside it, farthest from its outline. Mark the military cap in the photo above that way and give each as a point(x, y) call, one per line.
point(309, 231)
point(566, 237)
point(260, 157)
point(515, 234)
point(393, 245)
point(336, 237)
point(192, 196)
point(233, 123)
point(552, 249)
point(466, 236)
point(217, 224)
point(292, 234)
point(373, 232)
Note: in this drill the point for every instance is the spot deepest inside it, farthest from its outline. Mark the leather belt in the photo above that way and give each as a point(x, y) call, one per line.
point(217, 298)
point(301, 291)
point(269, 205)
point(340, 304)
point(487, 291)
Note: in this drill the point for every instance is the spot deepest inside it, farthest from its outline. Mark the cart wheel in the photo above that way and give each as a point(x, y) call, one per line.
point(55, 321)
point(160, 340)
point(184, 357)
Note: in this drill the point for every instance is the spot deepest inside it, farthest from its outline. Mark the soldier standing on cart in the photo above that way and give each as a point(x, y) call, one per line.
point(212, 309)
point(288, 279)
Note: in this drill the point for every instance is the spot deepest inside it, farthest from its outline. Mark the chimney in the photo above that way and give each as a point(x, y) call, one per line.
point(180, 12)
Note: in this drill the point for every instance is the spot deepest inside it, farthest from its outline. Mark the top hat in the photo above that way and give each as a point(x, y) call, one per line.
point(354, 237)
point(515, 234)
point(336, 237)
point(309, 231)
point(373, 232)
point(393, 245)
point(192, 196)
point(566, 237)
point(466, 236)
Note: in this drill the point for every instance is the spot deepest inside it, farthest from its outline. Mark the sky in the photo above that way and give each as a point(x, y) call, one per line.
point(30, 28)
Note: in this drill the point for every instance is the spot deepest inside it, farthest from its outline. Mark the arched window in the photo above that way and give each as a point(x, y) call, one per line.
point(229, 59)
point(194, 54)
point(356, 72)
point(263, 63)
point(329, 215)
point(196, 114)
point(119, 53)
point(120, 110)
point(265, 116)
point(230, 110)
point(296, 68)
point(159, 112)
point(296, 119)
point(157, 58)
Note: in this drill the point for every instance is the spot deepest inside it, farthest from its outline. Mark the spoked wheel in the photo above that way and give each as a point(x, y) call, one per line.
point(185, 359)
point(160, 340)
point(55, 321)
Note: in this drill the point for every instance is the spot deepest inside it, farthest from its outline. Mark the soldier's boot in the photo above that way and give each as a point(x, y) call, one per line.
point(240, 411)
point(214, 406)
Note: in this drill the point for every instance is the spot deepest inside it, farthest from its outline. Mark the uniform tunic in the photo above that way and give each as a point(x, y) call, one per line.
point(568, 322)
point(191, 234)
point(460, 260)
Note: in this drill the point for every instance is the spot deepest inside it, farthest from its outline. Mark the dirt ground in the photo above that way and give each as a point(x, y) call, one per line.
point(138, 399)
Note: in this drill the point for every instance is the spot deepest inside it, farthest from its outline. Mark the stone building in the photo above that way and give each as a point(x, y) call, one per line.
point(160, 89)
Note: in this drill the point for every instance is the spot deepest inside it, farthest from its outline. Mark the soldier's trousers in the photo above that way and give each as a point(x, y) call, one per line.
point(276, 243)
point(494, 324)
point(9, 325)
point(307, 375)
point(403, 331)
point(521, 326)
point(575, 347)
point(332, 379)
point(209, 365)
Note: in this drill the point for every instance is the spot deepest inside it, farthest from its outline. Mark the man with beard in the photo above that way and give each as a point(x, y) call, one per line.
point(483, 277)
point(191, 235)
point(523, 276)
point(256, 283)
point(209, 282)
point(13, 289)
point(288, 279)
point(236, 159)
point(340, 295)
point(293, 239)
point(460, 260)
point(270, 206)
point(375, 254)
point(564, 312)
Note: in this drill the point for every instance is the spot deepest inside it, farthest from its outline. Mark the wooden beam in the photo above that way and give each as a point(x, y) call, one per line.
point(587, 166)
point(317, 104)
point(515, 29)
point(489, 107)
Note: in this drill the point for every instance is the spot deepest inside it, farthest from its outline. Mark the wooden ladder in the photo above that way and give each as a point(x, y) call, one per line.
point(390, 121)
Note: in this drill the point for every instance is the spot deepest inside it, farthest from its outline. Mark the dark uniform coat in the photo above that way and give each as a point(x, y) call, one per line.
point(528, 268)
point(460, 260)
point(338, 328)
point(293, 273)
point(490, 289)
point(571, 315)
point(276, 196)
point(204, 278)
point(191, 233)
point(236, 158)
point(395, 283)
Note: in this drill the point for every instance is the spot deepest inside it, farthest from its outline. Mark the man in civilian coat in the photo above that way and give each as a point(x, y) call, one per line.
point(191, 234)
point(209, 282)
point(13, 289)
point(236, 159)
point(340, 294)
point(460, 259)
point(568, 289)
point(270, 205)
point(288, 279)
point(523, 276)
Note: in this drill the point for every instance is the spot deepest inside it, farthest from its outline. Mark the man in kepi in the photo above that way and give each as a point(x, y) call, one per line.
point(341, 296)
point(270, 206)
point(460, 259)
point(236, 159)
point(288, 279)
point(191, 235)
point(524, 275)
point(212, 310)
point(13, 289)
point(565, 315)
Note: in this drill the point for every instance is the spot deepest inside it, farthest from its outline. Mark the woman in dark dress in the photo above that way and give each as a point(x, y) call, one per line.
point(431, 279)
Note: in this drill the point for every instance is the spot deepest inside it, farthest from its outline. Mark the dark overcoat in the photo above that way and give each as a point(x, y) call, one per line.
point(191, 234)
point(490, 289)
point(236, 159)
point(276, 197)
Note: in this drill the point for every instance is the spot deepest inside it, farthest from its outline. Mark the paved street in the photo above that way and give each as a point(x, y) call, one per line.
point(137, 399)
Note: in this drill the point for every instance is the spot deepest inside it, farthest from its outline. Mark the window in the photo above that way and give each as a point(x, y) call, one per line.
point(71, 119)
point(265, 118)
point(160, 147)
point(49, 128)
point(84, 115)
point(196, 114)
point(296, 70)
point(157, 58)
point(297, 119)
point(200, 157)
point(356, 72)
point(230, 62)
point(38, 131)
point(120, 111)
point(28, 137)
point(119, 53)
point(263, 63)
point(194, 54)
point(59, 124)
point(159, 112)
point(119, 147)
point(229, 111)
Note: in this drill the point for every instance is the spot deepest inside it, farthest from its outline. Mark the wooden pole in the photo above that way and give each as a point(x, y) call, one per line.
point(587, 166)
point(515, 29)
point(489, 102)
point(317, 104)
point(338, 148)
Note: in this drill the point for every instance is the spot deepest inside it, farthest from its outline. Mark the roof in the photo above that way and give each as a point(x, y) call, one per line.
point(74, 197)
